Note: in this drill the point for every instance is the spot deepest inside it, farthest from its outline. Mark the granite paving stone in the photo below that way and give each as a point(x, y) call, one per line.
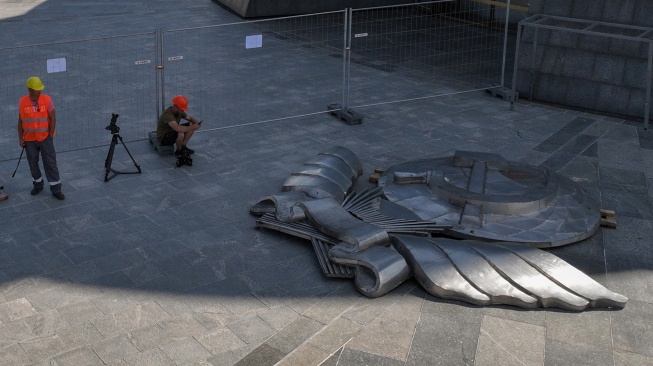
point(44, 323)
point(251, 329)
point(16, 309)
point(114, 349)
point(305, 355)
point(295, 334)
point(335, 335)
point(631, 328)
point(397, 324)
point(278, 317)
point(78, 356)
point(623, 358)
point(566, 328)
point(81, 311)
point(148, 337)
point(355, 357)
point(151, 357)
point(263, 355)
point(114, 324)
point(185, 351)
point(43, 347)
point(12, 355)
point(442, 341)
point(79, 335)
point(566, 354)
point(507, 342)
point(182, 326)
point(220, 340)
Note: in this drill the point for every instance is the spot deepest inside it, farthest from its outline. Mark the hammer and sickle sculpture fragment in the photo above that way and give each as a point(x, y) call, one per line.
point(469, 227)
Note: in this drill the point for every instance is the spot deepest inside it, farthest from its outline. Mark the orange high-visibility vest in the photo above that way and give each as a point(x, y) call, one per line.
point(34, 119)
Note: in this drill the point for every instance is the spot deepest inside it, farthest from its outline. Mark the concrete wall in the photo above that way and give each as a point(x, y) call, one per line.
point(589, 72)
point(267, 8)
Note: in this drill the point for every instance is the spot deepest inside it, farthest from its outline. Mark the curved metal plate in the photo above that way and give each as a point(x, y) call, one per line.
point(378, 269)
point(567, 276)
point(313, 186)
point(348, 157)
point(435, 272)
point(328, 173)
point(283, 205)
point(332, 219)
point(526, 277)
point(479, 272)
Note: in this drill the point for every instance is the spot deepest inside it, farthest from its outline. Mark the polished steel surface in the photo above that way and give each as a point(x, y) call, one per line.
point(379, 269)
point(332, 219)
point(385, 235)
point(483, 196)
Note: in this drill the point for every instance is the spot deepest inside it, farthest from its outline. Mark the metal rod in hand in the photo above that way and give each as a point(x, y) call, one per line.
point(21, 156)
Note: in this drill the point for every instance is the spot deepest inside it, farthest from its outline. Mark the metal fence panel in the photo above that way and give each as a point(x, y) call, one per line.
point(255, 72)
point(100, 77)
point(425, 50)
point(258, 71)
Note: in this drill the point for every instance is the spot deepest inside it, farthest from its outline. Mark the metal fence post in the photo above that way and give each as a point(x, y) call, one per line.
point(161, 68)
point(520, 29)
point(505, 45)
point(346, 57)
point(647, 104)
point(530, 95)
point(158, 71)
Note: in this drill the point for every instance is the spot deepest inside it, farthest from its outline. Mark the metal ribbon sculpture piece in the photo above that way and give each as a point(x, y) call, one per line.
point(503, 211)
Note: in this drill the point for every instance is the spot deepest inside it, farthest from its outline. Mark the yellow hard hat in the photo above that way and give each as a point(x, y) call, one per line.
point(34, 83)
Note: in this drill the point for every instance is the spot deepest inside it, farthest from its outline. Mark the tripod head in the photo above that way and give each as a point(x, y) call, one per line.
point(113, 127)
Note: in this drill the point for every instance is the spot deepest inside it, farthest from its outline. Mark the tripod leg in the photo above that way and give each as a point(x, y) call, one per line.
point(130, 154)
point(109, 159)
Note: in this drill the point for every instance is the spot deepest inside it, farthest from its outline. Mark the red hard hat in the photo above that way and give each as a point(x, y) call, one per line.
point(181, 102)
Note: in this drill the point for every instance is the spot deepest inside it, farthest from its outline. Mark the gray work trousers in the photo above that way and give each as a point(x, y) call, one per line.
point(44, 148)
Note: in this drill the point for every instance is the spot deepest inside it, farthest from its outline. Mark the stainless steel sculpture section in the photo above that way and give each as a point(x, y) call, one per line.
point(382, 243)
point(330, 175)
point(379, 269)
point(483, 196)
point(329, 217)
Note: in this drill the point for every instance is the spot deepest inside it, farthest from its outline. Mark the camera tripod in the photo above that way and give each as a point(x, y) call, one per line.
point(114, 140)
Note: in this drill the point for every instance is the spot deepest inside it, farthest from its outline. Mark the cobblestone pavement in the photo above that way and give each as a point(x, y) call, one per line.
point(167, 268)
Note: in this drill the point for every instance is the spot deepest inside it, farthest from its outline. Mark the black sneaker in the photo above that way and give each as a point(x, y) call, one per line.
point(59, 195)
point(190, 151)
point(178, 153)
point(36, 191)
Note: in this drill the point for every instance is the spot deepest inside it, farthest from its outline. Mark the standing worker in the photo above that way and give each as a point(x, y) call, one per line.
point(36, 129)
point(168, 129)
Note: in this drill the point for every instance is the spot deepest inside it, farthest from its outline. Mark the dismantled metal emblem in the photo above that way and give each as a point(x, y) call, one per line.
point(466, 227)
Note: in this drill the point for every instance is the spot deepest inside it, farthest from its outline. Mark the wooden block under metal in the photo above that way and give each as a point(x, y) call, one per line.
point(609, 222)
point(379, 170)
point(374, 178)
point(608, 219)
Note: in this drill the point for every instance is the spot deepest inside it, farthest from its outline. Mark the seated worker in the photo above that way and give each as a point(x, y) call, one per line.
point(168, 129)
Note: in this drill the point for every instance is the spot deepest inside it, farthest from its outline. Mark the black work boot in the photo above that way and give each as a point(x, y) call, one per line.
point(56, 191)
point(38, 187)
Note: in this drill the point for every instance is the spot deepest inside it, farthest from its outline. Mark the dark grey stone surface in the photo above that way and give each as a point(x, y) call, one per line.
point(595, 72)
point(167, 268)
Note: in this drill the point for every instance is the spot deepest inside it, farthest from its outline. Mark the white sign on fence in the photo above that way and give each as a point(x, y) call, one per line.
point(254, 41)
point(56, 65)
